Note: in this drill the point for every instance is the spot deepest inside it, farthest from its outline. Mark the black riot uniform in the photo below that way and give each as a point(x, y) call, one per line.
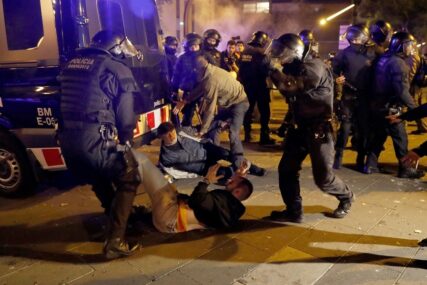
point(96, 108)
point(355, 63)
point(253, 72)
point(185, 74)
point(308, 87)
point(209, 49)
point(391, 93)
point(171, 45)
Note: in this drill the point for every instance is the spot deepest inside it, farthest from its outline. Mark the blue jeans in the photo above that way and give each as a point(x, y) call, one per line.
point(234, 115)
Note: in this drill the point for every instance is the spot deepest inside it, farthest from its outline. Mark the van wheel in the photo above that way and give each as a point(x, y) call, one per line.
point(16, 176)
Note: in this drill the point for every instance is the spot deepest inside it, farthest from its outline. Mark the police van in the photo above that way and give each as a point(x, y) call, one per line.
point(36, 38)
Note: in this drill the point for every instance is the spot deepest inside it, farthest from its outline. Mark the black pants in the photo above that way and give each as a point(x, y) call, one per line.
point(381, 128)
point(114, 183)
point(353, 114)
point(298, 144)
point(260, 97)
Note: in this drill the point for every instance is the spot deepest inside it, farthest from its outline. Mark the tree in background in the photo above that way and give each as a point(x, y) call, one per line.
point(410, 15)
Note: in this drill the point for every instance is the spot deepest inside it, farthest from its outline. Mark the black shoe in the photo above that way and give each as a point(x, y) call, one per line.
point(286, 216)
point(267, 141)
point(115, 248)
point(257, 171)
point(343, 208)
point(423, 242)
point(411, 173)
point(418, 132)
point(370, 169)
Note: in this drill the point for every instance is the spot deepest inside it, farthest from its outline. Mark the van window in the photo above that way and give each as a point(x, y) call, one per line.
point(148, 14)
point(24, 25)
point(110, 16)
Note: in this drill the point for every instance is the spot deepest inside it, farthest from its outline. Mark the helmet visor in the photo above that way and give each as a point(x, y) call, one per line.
point(129, 50)
point(282, 52)
point(409, 48)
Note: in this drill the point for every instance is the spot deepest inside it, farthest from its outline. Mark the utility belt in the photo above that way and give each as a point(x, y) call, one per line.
point(318, 129)
point(109, 136)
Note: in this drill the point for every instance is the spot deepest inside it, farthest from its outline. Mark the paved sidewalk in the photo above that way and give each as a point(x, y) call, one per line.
point(55, 237)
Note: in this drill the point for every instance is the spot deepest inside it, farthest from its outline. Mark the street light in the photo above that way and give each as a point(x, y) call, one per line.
point(323, 21)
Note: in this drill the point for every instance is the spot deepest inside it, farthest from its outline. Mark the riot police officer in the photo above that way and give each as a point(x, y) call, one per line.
point(355, 64)
point(381, 32)
point(253, 73)
point(96, 128)
point(391, 93)
point(311, 50)
point(311, 45)
point(307, 85)
point(171, 45)
point(185, 74)
point(211, 40)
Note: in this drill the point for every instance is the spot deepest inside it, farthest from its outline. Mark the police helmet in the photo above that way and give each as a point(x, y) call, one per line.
point(310, 43)
point(214, 34)
point(381, 31)
point(171, 44)
point(286, 48)
point(171, 40)
point(307, 37)
point(357, 34)
point(190, 40)
point(115, 43)
point(259, 39)
point(402, 43)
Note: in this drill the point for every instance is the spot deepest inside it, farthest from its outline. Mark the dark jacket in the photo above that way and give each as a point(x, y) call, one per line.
point(392, 82)
point(253, 70)
point(356, 66)
point(313, 99)
point(216, 208)
point(187, 154)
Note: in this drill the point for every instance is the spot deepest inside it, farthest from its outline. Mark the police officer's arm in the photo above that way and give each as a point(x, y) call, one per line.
point(177, 74)
point(121, 86)
point(287, 84)
point(317, 82)
point(338, 63)
point(400, 85)
point(415, 114)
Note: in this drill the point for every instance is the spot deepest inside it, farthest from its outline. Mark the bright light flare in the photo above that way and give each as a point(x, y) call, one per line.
point(333, 16)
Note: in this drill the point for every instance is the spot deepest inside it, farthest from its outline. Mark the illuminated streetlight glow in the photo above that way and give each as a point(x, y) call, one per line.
point(333, 16)
point(422, 44)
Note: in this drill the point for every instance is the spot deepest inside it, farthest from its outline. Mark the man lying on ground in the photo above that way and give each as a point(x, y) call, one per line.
point(190, 155)
point(174, 212)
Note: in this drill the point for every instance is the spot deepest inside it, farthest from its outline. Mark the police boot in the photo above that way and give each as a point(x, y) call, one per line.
point(265, 138)
point(286, 216)
point(371, 164)
point(117, 247)
point(410, 172)
point(360, 162)
point(338, 158)
point(248, 137)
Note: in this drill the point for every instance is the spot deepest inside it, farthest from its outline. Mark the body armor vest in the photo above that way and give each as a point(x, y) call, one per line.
point(82, 99)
